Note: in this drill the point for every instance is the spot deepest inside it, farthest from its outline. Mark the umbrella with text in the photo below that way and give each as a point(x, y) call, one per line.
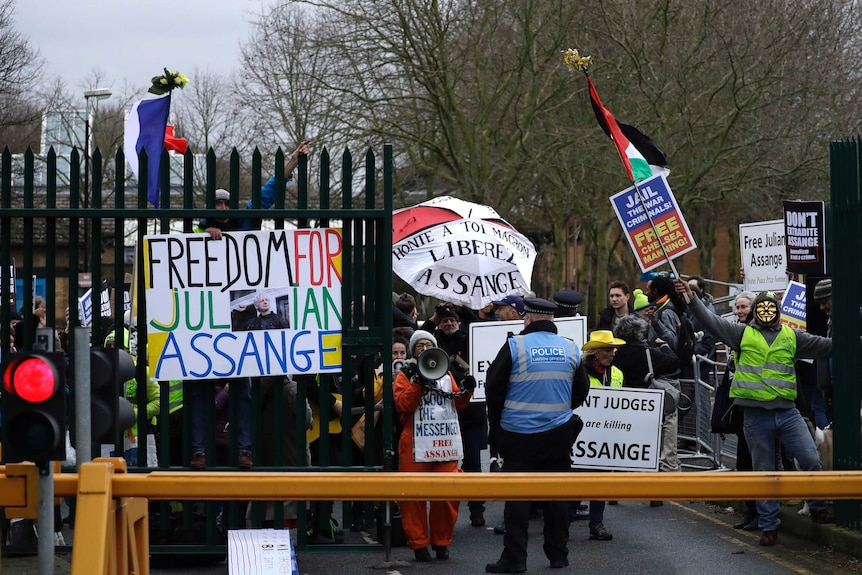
point(460, 252)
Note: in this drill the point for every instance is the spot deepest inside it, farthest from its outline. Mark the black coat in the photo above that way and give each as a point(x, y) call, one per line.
point(631, 360)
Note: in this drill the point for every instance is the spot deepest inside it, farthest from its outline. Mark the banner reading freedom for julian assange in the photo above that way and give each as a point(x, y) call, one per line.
point(249, 304)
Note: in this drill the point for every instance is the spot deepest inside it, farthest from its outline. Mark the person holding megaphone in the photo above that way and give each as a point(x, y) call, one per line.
point(428, 400)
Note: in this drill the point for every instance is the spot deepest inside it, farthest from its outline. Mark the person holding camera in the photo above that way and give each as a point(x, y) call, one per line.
point(531, 388)
point(428, 399)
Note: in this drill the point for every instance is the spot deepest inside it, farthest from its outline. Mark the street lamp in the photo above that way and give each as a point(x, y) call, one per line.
point(98, 94)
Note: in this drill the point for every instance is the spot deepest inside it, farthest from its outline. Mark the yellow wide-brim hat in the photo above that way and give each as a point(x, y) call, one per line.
point(603, 338)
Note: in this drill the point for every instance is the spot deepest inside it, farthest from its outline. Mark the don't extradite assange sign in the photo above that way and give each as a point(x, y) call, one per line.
point(201, 296)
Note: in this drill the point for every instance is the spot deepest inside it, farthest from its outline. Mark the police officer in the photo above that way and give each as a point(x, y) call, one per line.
point(532, 386)
point(568, 301)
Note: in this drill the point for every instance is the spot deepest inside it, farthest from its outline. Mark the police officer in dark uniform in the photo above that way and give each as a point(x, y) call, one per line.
point(568, 301)
point(532, 386)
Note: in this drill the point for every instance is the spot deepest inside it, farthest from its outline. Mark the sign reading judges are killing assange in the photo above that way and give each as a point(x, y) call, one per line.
point(668, 229)
point(622, 430)
point(250, 304)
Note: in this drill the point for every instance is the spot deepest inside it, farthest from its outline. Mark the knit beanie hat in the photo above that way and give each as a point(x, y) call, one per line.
point(823, 290)
point(419, 335)
point(641, 300)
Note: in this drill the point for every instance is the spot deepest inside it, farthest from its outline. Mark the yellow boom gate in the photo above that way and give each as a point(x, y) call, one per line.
point(112, 504)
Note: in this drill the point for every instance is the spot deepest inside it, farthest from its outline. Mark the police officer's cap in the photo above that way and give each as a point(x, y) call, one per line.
point(568, 298)
point(539, 305)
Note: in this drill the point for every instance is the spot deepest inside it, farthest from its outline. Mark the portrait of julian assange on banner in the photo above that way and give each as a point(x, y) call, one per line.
point(805, 228)
point(668, 229)
point(250, 304)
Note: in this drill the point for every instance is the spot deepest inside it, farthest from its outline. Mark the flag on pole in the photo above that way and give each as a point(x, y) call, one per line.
point(639, 154)
point(174, 143)
point(145, 130)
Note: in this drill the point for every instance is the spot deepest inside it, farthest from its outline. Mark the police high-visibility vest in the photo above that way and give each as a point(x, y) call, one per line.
point(616, 378)
point(765, 372)
point(539, 397)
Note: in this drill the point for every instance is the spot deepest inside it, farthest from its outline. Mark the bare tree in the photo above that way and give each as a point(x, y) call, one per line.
point(474, 95)
point(20, 65)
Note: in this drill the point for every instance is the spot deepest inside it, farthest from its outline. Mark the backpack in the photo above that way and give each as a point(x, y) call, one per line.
point(685, 339)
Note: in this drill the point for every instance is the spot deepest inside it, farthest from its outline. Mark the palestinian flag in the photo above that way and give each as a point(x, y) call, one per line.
point(638, 152)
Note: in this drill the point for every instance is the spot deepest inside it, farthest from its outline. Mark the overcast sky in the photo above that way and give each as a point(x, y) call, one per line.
point(133, 40)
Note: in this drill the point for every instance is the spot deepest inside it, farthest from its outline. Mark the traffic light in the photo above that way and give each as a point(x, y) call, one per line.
point(34, 407)
point(110, 413)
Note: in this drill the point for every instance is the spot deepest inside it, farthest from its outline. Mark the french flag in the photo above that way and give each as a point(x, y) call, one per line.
point(145, 130)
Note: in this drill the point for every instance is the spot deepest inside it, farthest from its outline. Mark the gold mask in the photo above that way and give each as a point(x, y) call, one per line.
point(766, 312)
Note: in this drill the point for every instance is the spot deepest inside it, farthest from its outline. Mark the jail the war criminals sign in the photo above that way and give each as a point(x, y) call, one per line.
point(622, 430)
point(249, 304)
point(658, 233)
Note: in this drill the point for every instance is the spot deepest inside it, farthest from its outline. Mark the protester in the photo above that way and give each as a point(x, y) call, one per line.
point(821, 400)
point(764, 385)
point(599, 354)
point(215, 226)
point(404, 313)
point(619, 296)
point(509, 308)
point(663, 314)
point(742, 306)
point(530, 411)
point(422, 403)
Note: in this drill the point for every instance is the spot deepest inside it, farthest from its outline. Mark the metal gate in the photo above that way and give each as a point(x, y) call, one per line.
point(53, 232)
point(845, 231)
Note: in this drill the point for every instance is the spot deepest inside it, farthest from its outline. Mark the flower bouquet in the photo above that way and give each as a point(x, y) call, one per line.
point(167, 82)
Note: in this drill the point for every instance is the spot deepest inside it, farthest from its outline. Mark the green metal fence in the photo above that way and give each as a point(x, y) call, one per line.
point(50, 230)
point(844, 263)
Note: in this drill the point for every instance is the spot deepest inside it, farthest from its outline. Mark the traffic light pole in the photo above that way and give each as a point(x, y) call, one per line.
point(45, 518)
point(45, 487)
point(83, 427)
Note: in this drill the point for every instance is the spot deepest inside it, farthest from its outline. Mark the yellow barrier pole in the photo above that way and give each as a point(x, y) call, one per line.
point(95, 553)
point(133, 536)
point(19, 489)
point(373, 486)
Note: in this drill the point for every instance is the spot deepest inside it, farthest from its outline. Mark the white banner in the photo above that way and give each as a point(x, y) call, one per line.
point(249, 304)
point(622, 430)
point(486, 339)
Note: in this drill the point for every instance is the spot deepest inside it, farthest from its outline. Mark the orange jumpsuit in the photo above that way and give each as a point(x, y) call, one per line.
point(415, 516)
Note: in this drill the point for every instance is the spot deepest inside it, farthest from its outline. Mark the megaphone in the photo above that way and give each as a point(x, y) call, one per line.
point(397, 365)
point(433, 363)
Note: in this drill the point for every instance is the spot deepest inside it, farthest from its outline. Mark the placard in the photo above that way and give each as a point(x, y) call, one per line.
point(805, 228)
point(793, 306)
point(486, 339)
point(670, 231)
point(761, 247)
point(622, 430)
point(247, 305)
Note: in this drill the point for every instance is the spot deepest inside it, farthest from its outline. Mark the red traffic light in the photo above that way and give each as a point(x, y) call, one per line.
point(34, 408)
point(32, 378)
